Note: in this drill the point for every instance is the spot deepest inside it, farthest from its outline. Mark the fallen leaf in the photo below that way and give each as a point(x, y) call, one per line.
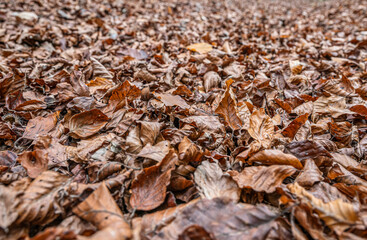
point(87, 123)
point(309, 175)
point(172, 100)
point(227, 108)
point(213, 183)
point(261, 128)
point(277, 157)
point(149, 187)
point(292, 129)
point(336, 214)
point(101, 210)
point(262, 179)
point(201, 48)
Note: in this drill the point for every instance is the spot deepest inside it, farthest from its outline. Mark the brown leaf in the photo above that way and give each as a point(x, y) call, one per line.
point(86, 148)
point(261, 128)
point(34, 162)
point(225, 220)
point(309, 175)
point(262, 179)
point(359, 109)
point(100, 85)
point(156, 152)
point(292, 129)
point(40, 203)
point(213, 183)
point(7, 212)
point(6, 132)
point(40, 126)
point(227, 108)
point(201, 48)
point(205, 123)
point(307, 149)
point(101, 210)
point(271, 157)
point(189, 151)
point(125, 92)
point(336, 214)
point(87, 123)
point(150, 186)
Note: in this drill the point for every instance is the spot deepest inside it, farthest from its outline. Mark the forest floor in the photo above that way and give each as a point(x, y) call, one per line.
point(183, 119)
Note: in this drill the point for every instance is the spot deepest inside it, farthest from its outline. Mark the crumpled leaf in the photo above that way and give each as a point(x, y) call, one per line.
point(211, 80)
point(261, 178)
point(40, 203)
point(261, 128)
point(213, 183)
point(87, 123)
point(309, 175)
point(40, 126)
point(7, 213)
point(172, 100)
point(99, 70)
point(6, 132)
point(35, 162)
point(100, 85)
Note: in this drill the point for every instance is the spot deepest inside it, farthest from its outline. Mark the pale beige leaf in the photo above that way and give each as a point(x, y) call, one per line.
point(213, 183)
point(201, 48)
point(261, 128)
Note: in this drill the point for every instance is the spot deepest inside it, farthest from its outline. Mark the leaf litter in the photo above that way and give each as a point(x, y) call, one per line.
point(183, 119)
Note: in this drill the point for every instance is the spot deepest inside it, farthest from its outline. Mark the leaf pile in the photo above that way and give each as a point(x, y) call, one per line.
point(183, 119)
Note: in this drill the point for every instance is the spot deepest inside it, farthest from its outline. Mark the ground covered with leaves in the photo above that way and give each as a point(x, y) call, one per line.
point(183, 120)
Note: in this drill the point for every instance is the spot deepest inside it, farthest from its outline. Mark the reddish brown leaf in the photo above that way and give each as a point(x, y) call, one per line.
point(292, 129)
point(150, 186)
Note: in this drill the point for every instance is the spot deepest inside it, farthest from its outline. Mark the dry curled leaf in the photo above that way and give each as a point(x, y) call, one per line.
point(291, 130)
